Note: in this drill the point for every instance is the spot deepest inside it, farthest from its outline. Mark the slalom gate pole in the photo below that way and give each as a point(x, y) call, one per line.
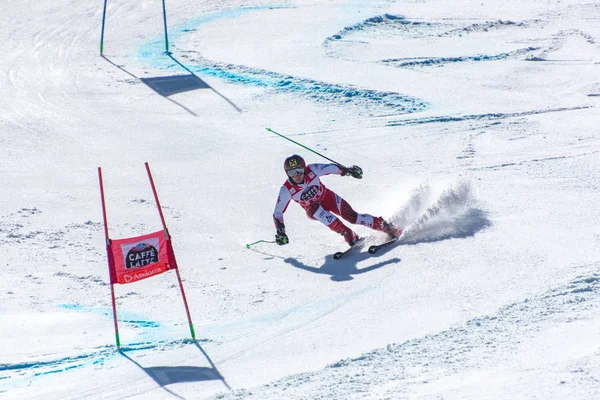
point(165, 23)
point(102, 33)
point(114, 306)
point(259, 241)
point(185, 303)
point(309, 149)
point(162, 218)
point(112, 286)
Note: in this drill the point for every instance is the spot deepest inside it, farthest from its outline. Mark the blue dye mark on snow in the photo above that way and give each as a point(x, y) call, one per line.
point(370, 102)
point(157, 46)
point(21, 373)
point(133, 320)
point(486, 117)
point(444, 60)
point(373, 21)
point(16, 375)
point(417, 29)
point(427, 62)
point(301, 314)
point(142, 324)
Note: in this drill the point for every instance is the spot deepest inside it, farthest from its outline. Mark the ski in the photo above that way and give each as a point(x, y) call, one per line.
point(341, 254)
point(376, 247)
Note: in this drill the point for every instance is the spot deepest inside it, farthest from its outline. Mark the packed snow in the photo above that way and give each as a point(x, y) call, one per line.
point(476, 124)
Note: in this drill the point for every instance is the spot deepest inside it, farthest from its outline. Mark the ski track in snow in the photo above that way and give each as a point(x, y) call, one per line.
point(476, 117)
point(399, 368)
point(396, 25)
point(399, 26)
point(427, 217)
point(133, 320)
point(363, 101)
point(14, 375)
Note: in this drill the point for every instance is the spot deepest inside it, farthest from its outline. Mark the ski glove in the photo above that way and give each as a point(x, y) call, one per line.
point(280, 237)
point(355, 171)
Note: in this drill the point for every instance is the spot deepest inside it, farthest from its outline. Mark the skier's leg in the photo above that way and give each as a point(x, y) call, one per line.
point(380, 224)
point(346, 211)
point(317, 212)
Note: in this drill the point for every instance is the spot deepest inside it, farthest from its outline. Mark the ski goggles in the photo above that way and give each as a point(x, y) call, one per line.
point(296, 171)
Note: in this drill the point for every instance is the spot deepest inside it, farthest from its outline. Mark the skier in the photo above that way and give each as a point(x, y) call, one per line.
point(305, 188)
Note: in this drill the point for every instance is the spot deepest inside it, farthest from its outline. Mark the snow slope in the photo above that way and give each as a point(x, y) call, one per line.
point(476, 125)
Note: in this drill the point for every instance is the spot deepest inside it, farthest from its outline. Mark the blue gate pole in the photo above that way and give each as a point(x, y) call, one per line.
point(102, 33)
point(165, 22)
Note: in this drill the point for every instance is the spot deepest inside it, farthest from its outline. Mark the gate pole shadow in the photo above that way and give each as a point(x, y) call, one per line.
point(142, 80)
point(164, 375)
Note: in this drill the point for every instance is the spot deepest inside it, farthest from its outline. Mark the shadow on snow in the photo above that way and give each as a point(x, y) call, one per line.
point(166, 375)
point(173, 84)
point(344, 269)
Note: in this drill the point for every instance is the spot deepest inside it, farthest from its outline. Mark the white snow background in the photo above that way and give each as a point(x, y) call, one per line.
point(476, 124)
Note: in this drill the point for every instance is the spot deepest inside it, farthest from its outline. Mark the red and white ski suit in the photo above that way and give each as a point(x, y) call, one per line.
point(318, 201)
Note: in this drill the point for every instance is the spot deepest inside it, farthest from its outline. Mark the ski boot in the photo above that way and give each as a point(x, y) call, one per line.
point(379, 224)
point(349, 235)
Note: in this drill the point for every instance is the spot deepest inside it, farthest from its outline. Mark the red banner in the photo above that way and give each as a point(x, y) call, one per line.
point(141, 257)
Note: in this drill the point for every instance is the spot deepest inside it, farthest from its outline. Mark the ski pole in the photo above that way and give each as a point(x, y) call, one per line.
point(309, 149)
point(259, 241)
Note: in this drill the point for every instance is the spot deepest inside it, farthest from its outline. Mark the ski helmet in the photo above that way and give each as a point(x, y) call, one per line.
point(293, 162)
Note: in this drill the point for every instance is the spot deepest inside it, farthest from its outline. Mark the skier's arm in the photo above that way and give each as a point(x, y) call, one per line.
point(282, 202)
point(326, 169)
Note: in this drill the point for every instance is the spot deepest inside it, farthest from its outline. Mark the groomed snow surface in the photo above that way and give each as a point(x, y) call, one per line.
point(476, 124)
